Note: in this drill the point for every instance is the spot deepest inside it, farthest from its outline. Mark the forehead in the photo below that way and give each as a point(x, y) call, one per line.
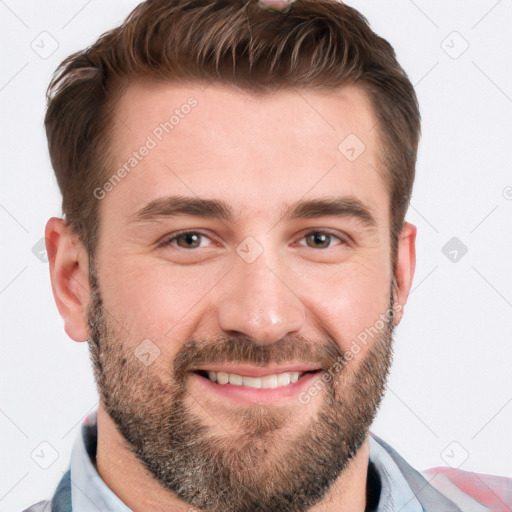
point(259, 153)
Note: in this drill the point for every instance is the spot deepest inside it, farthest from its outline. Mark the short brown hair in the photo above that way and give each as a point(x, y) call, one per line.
point(315, 44)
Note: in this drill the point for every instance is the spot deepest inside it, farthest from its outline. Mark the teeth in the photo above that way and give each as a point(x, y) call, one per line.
point(266, 382)
point(283, 379)
point(236, 379)
point(269, 381)
point(222, 378)
point(250, 382)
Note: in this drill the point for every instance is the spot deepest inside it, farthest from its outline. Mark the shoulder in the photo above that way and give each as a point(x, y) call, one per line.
point(41, 506)
point(61, 500)
point(464, 487)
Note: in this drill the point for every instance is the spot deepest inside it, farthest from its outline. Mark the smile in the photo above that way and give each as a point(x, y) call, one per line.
point(252, 384)
point(275, 380)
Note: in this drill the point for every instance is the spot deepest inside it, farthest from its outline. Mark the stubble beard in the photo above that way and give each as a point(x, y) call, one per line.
point(258, 464)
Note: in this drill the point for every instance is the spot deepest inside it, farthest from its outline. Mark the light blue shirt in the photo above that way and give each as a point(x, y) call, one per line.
point(88, 490)
point(402, 488)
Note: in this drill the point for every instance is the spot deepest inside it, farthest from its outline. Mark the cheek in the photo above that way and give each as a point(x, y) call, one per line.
point(155, 299)
point(349, 303)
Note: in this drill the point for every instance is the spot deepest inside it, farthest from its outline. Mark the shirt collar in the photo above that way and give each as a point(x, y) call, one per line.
point(396, 494)
point(88, 490)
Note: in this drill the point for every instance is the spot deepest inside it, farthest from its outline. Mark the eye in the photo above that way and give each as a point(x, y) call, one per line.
point(321, 239)
point(185, 240)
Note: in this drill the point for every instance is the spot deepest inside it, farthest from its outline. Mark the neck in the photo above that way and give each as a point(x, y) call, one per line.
point(126, 476)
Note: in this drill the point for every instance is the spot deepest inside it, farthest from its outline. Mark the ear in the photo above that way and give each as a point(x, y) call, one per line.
point(405, 266)
point(69, 274)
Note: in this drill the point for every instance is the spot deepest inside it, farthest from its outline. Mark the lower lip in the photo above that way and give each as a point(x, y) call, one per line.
point(247, 395)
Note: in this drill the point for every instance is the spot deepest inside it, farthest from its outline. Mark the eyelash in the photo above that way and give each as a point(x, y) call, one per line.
point(168, 241)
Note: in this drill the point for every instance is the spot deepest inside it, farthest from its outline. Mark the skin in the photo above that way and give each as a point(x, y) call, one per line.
point(257, 154)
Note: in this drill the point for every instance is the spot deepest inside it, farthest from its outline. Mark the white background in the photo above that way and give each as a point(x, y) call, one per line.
point(450, 395)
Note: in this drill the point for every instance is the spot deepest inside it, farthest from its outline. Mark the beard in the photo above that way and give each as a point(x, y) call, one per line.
point(266, 463)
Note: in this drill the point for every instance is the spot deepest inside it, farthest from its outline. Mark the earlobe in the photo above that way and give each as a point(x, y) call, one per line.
point(69, 275)
point(404, 272)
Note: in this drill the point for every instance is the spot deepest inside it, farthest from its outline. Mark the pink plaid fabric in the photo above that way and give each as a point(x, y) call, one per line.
point(472, 491)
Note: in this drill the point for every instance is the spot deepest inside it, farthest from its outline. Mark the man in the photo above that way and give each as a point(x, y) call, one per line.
point(235, 178)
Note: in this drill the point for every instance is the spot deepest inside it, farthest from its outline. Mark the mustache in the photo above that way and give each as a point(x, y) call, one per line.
point(243, 349)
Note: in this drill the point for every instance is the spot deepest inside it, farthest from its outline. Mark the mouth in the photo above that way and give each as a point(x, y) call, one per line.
point(254, 384)
point(272, 381)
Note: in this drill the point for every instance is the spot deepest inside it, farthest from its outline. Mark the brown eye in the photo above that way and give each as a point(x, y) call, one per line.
point(186, 240)
point(189, 240)
point(320, 239)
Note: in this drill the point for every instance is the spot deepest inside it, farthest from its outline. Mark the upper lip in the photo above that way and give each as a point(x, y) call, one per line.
point(256, 371)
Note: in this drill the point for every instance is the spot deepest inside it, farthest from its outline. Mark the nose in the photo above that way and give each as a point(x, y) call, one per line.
point(257, 301)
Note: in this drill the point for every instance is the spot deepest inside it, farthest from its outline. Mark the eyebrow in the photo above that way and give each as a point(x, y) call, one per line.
point(174, 206)
point(347, 206)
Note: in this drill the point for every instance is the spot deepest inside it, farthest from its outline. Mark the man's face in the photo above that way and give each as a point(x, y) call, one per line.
point(281, 288)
